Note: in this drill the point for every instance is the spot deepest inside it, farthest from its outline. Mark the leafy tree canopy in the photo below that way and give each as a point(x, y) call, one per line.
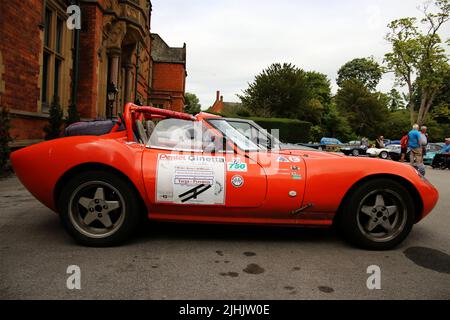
point(285, 91)
point(366, 111)
point(365, 70)
point(418, 58)
point(396, 100)
point(192, 102)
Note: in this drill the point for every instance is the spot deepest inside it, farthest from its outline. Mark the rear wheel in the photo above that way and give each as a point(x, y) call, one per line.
point(378, 215)
point(355, 152)
point(99, 209)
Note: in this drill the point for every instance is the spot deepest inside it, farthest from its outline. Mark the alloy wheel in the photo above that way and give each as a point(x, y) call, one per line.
point(382, 215)
point(96, 209)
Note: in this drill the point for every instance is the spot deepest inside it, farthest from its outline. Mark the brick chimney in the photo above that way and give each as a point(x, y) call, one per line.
point(218, 104)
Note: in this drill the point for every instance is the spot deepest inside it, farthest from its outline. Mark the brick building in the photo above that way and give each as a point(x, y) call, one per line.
point(229, 109)
point(218, 105)
point(42, 60)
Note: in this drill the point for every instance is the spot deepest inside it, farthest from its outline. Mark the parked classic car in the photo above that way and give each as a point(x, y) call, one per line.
point(431, 151)
point(441, 161)
point(382, 153)
point(395, 152)
point(389, 142)
point(354, 148)
point(326, 144)
point(202, 169)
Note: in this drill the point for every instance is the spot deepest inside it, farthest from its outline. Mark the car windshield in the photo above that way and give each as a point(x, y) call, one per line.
point(329, 141)
point(236, 136)
point(433, 147)
point(258, 135)
point(393, 147)
point(261, 137)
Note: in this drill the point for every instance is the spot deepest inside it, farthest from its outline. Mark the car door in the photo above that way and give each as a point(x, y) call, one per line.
point(285, 171)
point(187, 180)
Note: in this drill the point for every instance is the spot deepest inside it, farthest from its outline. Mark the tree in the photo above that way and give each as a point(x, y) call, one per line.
point(396, 100)
point(438, 119)
point(365, 70)
point(396, 123)
point(319, 86)
point(319, 94)
point(285, 91)
point(365, 111)
point(280, 91)
point(336, 125)
point(55, 121)
point(193, 105)
point(440, 110)
point(417, 58)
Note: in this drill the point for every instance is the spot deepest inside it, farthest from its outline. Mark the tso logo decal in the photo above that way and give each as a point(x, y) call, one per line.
point(237, 167)
point(237, 181)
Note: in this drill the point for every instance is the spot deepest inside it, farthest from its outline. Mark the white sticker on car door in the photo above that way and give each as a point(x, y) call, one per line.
point(190, 179)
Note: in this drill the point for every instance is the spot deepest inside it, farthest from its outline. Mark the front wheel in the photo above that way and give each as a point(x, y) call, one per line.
point(378, 215)
point(355, 152)
point(384, 155)
point(99, 209)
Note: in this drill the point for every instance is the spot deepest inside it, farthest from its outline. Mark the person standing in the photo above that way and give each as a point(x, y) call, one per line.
point(415, 155)
point(379, 143)
point(365, 142)
point(404, 146)
point(424, 140)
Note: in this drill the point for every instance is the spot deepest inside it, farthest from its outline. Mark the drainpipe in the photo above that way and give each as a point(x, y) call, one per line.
point(76, 56)
point(136, 80)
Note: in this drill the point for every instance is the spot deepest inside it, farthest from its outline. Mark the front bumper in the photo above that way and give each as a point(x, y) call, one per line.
point(429, 195)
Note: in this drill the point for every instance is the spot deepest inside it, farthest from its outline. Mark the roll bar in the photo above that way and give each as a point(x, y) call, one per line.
point(134, 112)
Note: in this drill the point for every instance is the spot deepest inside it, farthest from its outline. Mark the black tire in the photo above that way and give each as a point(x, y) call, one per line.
point(355, 152)
point(125, 209)
point(384, 155)
point(353, 221)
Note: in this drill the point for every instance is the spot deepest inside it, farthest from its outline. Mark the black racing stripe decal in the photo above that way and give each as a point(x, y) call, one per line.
point(194, 192)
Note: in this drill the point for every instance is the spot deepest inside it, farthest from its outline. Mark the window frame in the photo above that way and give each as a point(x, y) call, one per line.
point(54, 54)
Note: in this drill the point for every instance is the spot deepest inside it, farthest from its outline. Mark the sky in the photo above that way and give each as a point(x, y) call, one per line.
point(229, 42)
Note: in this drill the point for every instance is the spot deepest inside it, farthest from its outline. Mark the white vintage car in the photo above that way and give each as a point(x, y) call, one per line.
point(376, 152)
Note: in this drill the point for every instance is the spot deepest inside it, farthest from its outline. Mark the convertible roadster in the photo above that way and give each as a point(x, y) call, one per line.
point(103, 178)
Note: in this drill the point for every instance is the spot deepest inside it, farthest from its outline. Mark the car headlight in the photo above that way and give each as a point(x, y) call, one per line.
point(417, 171)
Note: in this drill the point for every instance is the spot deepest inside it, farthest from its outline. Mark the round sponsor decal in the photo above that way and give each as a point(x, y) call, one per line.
point(294, 159)
point(282, 159)
point(237, 181)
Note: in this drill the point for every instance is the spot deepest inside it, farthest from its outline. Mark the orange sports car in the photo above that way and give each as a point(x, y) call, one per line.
point(104, 176)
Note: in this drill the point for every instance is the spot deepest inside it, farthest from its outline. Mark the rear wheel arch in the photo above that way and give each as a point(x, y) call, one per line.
point(404, 182)
point(92, 166)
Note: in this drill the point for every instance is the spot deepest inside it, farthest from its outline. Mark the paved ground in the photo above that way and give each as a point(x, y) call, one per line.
point(171, 261)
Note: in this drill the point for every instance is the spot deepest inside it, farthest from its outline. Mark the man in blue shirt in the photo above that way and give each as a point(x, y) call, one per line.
point(414, 138)
point(446, 149)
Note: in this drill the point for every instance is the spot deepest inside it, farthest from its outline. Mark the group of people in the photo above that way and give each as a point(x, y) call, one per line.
point(417, 142)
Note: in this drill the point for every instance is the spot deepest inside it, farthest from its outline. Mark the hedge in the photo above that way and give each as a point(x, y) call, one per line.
point(290, 130)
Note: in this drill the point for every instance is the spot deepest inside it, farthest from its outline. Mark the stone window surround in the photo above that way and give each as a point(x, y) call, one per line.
point(64, 56)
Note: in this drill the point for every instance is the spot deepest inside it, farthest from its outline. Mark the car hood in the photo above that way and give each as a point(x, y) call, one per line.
point(430, 154)
point(311, 153)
